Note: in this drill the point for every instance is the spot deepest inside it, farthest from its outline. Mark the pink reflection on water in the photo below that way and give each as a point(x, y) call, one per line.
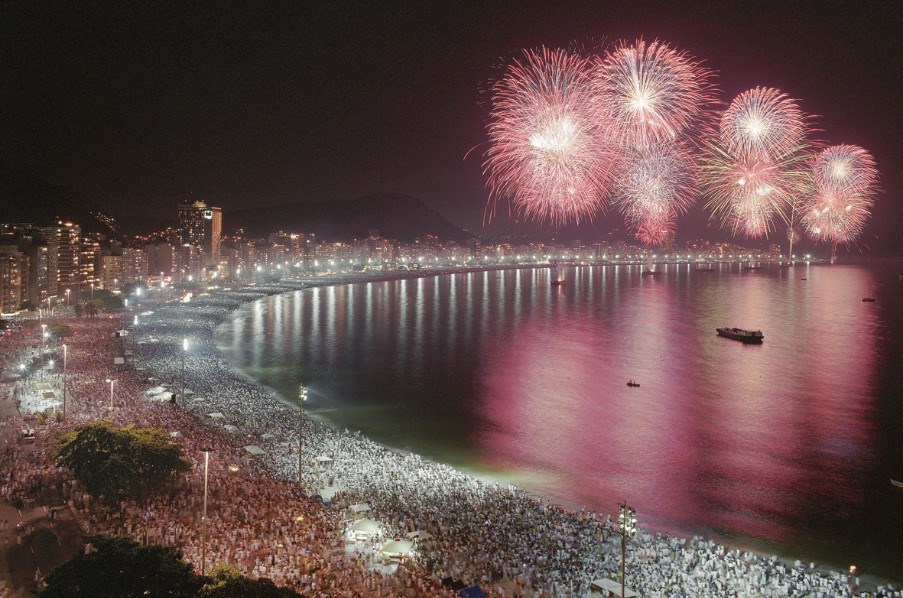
point(720, 434)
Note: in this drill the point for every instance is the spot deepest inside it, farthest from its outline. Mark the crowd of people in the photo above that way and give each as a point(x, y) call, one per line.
point(270, 520)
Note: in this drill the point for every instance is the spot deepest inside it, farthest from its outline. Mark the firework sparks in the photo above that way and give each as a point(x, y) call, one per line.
point(549, 152)
point(651, 92)
point(762, 120)
point(656, 184)
point(845, 181)
point(748, 193)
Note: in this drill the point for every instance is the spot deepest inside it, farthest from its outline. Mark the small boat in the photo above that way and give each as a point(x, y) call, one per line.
point(651, 273)
point(739, 334)
point(633, 384)
point(869, 298)
point(896, 483)
point(557, 281)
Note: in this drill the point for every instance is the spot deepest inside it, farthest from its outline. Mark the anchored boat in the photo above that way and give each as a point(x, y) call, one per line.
point(739, 334)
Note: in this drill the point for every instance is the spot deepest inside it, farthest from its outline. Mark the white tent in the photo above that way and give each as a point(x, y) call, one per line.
point(268, 436)
point(255, 450)
point(397, 548)
point(361, 508)
point(230, 428)
point(155, 390)
point(324, 459)
point(418, 535)
point(612, 587)
point(217, 415)
point(365, 527)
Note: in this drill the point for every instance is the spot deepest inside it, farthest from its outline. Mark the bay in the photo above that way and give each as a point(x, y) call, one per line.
point(787, 446)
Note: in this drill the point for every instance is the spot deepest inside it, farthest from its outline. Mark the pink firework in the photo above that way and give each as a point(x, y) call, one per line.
point(656, 229)
point(846, 169)
point(749, 192)
point(651, 92)
point(656, 182)
point(845, 182)
point(762, 120)
point(549, 152)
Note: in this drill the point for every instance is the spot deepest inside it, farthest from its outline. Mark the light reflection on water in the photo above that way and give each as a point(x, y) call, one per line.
point(498, 370)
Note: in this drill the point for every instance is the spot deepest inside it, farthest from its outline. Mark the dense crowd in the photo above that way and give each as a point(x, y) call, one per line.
point(261, 520)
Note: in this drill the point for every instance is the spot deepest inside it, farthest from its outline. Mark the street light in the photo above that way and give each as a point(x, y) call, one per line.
point(65, 359)
point(204, 542)
point(184, 351)
point(67, 297)
point(302, 397)
point(627, 530)
point(43, 344)
point(112, 382)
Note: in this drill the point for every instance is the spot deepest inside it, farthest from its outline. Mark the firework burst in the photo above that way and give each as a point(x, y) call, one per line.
point(549, 151)
point(656, 184)
point(762, 120)
point(749, 192)
point(651, 92)
point(845, 182)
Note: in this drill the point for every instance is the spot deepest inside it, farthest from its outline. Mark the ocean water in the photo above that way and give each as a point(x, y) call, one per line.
point(788, 446)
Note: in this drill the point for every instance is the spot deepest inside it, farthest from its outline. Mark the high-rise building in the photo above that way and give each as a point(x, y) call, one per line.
point(13, 278)
point(202, 226)
point(134, 265)
point(63, 257)
point(159, 259)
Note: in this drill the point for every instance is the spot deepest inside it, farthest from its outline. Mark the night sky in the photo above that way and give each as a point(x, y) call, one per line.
point(141, 105)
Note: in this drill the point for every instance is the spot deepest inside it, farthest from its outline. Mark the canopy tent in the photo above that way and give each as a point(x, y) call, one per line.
point(361, 508)
point(397, 548)
point(255, 450)
point(155, 390)
point(612, 587)
point(42, 386)
point(217, 415)
point(118, 361)
point(418, 535)
point(324, 459)
point(230, 428)
point(365, 526)
point(268, 436)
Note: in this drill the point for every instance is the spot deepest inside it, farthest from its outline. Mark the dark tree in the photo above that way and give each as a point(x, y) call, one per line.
point(227, 582)
point(120, 461)
point(119, 567)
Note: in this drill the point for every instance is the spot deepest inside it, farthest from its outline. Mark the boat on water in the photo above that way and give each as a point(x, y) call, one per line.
point(633, 384)
point(869, 298)
point(556, 280)
point(742, 335)
point(651, 272)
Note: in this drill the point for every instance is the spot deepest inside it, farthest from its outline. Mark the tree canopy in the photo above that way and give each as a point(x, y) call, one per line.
point(228, 582)
point(120, 461)
point(121, 567)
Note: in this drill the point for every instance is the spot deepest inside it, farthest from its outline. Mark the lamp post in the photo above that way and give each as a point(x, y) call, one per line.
point(204, 520)
point(43, 344)
point(302, 396)
point(184, 351)
point(112, 382)
point(627, 530)
point(65, 359)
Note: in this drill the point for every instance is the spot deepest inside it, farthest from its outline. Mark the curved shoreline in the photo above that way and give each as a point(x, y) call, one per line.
point(755, 545)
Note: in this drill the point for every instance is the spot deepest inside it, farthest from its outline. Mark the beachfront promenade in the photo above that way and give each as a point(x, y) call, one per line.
point(261, 521)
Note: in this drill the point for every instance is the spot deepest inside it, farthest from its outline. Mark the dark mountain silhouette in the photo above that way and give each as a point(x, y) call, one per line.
point(27, 199)
point(394, 215)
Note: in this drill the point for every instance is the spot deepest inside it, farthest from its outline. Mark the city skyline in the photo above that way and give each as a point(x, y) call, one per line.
point(248, 107)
